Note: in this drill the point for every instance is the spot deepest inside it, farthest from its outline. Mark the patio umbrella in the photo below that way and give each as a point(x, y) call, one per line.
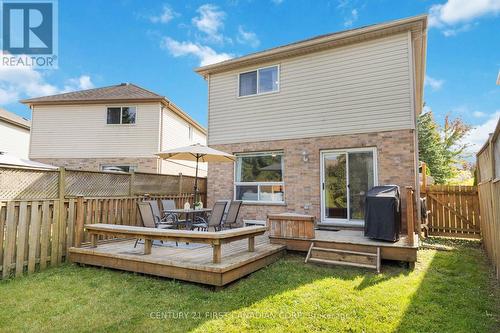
point(7, 159)
point(198, 153)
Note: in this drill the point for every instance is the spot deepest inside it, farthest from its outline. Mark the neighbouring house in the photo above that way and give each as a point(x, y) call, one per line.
point(14, 134)
point(115, 128)
point(316, 123)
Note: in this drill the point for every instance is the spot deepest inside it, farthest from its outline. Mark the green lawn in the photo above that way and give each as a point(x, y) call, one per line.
point(449, 291)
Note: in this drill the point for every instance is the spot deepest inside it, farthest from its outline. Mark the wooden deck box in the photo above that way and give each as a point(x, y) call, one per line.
point(291, 225)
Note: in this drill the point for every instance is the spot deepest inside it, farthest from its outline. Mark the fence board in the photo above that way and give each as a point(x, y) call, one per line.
point(21, 237)
point(3, 211)
point(34, 236)
point(10, 239)
point(44, 234)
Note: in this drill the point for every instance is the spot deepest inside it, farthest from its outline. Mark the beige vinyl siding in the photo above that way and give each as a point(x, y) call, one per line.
point(176, 134)
point(359, 88)
point(14, 139)
point(81, 131)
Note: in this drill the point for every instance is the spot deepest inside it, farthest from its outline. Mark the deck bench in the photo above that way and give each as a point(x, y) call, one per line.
point(216, 239)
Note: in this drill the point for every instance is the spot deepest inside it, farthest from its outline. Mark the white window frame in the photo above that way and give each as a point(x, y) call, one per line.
point(259, 184)
point(348, 221)
point(259, 93)
point(121, 111)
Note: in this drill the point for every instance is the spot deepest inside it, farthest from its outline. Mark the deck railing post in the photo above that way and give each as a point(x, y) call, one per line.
point(180, 183)
point(131, 184)
point(410, 221)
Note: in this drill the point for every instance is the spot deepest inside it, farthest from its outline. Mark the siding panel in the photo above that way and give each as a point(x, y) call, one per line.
point(80, 131)
point(176, 134)
point(354, 89)
point(14, 139)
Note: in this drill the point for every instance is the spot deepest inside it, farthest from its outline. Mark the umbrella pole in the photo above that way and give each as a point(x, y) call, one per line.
point(196, 180)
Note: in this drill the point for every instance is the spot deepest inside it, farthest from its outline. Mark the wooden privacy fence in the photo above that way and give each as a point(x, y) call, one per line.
point(42, 212)
point(453, 211)
point(488, 167)
point(35, 234)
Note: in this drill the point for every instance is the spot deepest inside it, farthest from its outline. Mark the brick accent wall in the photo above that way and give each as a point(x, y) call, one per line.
point(396, 165)
point(144, 164)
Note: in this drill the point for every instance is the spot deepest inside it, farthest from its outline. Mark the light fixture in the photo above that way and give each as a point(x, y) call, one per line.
point(305, 156)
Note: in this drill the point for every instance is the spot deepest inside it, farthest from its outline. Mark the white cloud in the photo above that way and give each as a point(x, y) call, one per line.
point(81, 83)
point(455, 12)
point(210, 21)
point(353, 17)
point(435, 84)
point(450, 32)
point(478, 114)
point(21, 82)
point(480, 134)
point(343, 3)
point(247, 37)
point(205, 54)
point(167, 14)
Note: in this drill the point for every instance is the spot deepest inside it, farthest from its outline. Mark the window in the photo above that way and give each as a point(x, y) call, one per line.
point(121, 115)
point(259, 177)
point(190, 129)
point(119, 168)
point(260, 81)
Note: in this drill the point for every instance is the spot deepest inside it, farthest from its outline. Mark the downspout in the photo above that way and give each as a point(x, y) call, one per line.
point(160, 144)
point(414, 107)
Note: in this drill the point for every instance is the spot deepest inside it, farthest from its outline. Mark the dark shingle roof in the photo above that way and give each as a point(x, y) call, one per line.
point(123, 91)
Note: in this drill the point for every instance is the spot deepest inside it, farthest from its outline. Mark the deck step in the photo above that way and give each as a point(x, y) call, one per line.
point(344, 263)
point(368, 254)
point(335, 256)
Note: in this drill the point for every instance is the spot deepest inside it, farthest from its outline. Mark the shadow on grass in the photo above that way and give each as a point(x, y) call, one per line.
point(87, 298)
point(456, 293)
point(390, 270)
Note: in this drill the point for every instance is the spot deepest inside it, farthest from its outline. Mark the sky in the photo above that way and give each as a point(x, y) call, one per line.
point(157, 44)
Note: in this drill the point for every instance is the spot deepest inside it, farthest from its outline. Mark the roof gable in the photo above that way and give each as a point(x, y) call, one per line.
point(120, 92)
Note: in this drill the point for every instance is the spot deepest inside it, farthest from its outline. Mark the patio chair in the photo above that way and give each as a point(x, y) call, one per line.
point(214, 220)
point(168, 204)
point(149, 220)
point(232, 214)
point(158, 216)
point(227, 208)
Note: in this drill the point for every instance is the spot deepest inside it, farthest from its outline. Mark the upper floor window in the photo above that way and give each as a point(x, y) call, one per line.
point(121, 115)
point(190, 129)
point(260, 81)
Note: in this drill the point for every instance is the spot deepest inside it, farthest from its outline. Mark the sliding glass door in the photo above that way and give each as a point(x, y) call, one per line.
point(346, 176)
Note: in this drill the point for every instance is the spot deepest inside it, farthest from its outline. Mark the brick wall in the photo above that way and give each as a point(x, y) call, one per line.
point(396, 165)
point(144, 164)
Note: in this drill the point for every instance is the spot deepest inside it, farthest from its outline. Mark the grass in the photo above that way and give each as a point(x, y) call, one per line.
point(449, 291)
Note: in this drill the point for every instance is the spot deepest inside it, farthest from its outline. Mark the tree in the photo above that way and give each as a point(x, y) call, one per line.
point(454, 132)
point(441, 149)
point(430, 148)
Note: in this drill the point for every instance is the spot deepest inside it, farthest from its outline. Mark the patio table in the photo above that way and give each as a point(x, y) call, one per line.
point(188, 212)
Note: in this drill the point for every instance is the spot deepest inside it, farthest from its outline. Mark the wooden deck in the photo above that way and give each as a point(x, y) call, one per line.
point(188, 263)
point(353, 240)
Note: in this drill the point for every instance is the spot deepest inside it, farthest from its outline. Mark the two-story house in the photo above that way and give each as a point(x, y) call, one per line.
point(116, 128)
point(14, 134)
point(316, 123)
